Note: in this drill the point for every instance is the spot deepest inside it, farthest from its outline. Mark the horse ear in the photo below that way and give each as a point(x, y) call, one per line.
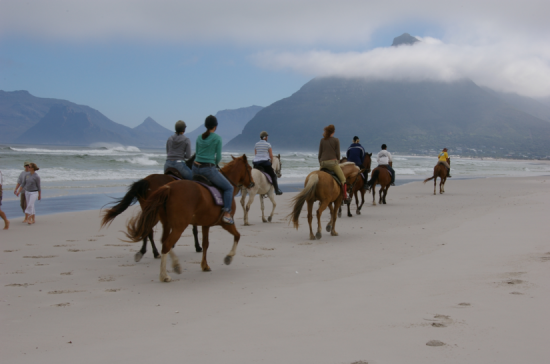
point(279, 156)
point(370, 154)
point(232, 157)
point(244, 158)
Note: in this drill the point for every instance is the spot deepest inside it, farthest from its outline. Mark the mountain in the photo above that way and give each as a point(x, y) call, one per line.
point(411, 117)
point(523, 103)
point(153, 132)
point(230, 123)
point(404, 38)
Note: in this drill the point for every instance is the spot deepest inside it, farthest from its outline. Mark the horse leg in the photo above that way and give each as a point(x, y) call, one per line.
point(251, 197)
point(198, 248)
point(243, 200)
point(385, 194)
point(236, 237)
point(322, 208)
point(271, 195)
point(435, 185)
point(333, 218)
point(443, 184)
point(374, 194)
point(153, 246)
point(142, 251)
point(362, 202)
point(380, 194)
point(340, 211)
point(169, 239)
point(332, 211)
point(262, 206)
point(349, 209)
point(310, 219)
point(205, 243)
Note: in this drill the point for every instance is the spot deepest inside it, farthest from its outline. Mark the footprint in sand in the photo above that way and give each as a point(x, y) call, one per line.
point(514, 281)
point(440, 321)
point(515, 292)
point(435, 343)
point(66, 273)
point(126, 265)
point(19, 284)
point(10, 251)
point(112, 290)
point(65, 291)
point(62, 245)
point(74, 250)
point(71, 240)
point(92, 239)
point(360, 362)
point(106, 278)
point(39, 256)
point(62, 304)
point(464, 304)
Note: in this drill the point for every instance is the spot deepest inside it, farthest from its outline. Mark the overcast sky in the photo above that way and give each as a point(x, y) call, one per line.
point(186, 59)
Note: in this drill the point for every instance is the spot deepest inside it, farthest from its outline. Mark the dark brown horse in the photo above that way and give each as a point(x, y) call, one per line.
point(439, 171)
point(198, 209)
point(140, 191)
point(320, 186)
point(356, 185)
point(381, 176)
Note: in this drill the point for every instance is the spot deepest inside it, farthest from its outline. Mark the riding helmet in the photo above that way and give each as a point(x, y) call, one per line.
point(263, 134)
point(180, 126)
point(210, 122)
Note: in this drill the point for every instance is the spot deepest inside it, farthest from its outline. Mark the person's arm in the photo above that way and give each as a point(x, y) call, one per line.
point(390, 160)
point(319, 154)
point(167, 146)
point(38, 185)
point(448, 159)
point(338, 149)
point(270, 154)
point(188, 150)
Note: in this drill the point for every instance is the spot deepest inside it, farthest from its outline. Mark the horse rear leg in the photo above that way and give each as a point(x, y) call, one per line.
point(332, 212)
point(198, 248)
point(143, 250)
point(236, 237)
point(271, 195)
point(385, 194)
point(168, 241)
point(262, 207)
point(322, 208)
point(337, 204)
point(310, 219)
point(374, 194)
point(435, 185)
point(358, 212)
point(205, 244)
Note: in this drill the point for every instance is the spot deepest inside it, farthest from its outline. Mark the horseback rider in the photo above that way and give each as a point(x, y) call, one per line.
point(384, 159)
point(178, 150)
point(263, 155)
point(444, 159)
point(208, 149)
point(356, 153)
point(329, 157)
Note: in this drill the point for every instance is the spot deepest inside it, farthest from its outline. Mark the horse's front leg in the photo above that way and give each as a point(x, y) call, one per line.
point(251, 197)
point(435, 185)
point(243, 201)
point(198, 248)
point(385, 194)
point(380, 194)
point(236, 237)
point(362, 202)
point(262, 207)
point(337, 204)
point(332, 212)
point(205, 243)
point(374, 195)
point(271, 195)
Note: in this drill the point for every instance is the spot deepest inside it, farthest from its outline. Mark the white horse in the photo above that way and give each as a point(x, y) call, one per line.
point(262, 187)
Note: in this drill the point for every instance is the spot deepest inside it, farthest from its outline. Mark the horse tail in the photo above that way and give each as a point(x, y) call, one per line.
point(374, 177)
point(428, 179)
point(140, 226)
point(136, 190)
point(307, 194)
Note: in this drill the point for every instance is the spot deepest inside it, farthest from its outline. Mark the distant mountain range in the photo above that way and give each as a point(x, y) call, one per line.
point(27, 119)
point(411, 117)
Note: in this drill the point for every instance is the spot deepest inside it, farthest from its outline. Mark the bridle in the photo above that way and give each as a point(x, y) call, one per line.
point(278, 171)
point(249, 178)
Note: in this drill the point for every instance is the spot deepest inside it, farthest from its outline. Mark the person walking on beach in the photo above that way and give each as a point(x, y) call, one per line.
point(356, 153)
point(33, 192)
point(384, 159)
point(208, 149)
point(2, 214)
point(329, 157)
point(23, 200)
point(178, 150)
point(263, 155)
point(444, 159)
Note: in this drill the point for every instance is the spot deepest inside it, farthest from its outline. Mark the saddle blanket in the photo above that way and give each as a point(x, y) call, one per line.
point(216, 194)
point(268, 177)
point(332, 174)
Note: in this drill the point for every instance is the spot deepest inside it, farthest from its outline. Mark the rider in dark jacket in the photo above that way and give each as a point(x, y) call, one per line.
point(356, 153)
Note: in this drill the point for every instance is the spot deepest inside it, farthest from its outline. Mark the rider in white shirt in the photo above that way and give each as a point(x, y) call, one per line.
point(384, 159)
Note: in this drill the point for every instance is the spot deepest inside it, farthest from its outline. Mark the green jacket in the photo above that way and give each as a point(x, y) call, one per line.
point(209, 150)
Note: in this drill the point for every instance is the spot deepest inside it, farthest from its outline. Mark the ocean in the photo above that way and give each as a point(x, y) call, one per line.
point(81, 178)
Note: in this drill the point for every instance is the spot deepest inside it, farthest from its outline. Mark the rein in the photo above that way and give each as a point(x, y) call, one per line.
point(238, 185)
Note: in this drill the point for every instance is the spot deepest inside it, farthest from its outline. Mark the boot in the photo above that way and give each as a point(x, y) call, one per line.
point(276, 187)
point(449, 173)
point(345, 194)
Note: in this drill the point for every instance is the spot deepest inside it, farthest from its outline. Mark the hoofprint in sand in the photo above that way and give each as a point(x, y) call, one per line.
point(455, 278)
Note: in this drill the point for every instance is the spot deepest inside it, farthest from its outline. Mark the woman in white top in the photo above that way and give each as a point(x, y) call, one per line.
point(2, 214)
point(31, 184)
point(263, 155)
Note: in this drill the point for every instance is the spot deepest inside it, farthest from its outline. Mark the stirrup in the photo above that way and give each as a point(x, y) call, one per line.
point(278, 192)
point(228, 220)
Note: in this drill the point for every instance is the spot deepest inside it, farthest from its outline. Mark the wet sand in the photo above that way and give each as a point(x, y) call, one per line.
point(454, 278)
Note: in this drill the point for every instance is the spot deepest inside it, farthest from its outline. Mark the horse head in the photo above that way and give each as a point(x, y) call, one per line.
point(277, 165)
point(243, 171)
point(367, 162)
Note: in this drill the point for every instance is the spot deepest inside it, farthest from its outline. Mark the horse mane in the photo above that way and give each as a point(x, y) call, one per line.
point(347, 164)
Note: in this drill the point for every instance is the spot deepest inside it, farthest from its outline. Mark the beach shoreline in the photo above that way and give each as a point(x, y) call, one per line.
point(468, 268)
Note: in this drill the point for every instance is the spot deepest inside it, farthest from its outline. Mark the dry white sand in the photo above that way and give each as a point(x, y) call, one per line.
point(469, 269)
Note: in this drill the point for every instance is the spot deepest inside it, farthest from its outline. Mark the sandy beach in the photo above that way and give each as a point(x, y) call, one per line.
point(466, 271)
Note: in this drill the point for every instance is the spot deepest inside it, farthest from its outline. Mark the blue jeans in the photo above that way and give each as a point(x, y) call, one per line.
point(180, 166)
point(219, 181)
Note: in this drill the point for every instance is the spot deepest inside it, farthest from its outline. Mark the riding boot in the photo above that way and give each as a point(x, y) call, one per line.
point(276, 186)
point(449, 173)
point(344, 193)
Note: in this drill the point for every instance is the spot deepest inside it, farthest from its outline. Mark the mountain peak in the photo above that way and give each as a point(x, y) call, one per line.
point(151, 126)
point(404, 38)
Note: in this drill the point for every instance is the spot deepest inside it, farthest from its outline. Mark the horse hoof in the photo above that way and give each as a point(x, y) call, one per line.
point(329, 228)
point(165, 279)
point(269, 219)
point(198, 250)
point(333, 233)
point(350, 215)
point(318, 235)
point(177, 269)
point(358, 212)
point(339, 214)
point(207, 269)
point(264, 220)
point(157, 256)
point(228, 259)
point(246, 224)
point(312, 237)
point(138, 256)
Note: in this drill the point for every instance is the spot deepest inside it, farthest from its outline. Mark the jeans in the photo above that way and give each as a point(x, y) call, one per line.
point(269, 170)
point(219, 181)
point(392, 172)
point(180, 166)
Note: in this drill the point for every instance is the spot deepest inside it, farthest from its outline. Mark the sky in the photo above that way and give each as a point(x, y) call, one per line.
point(172, 60)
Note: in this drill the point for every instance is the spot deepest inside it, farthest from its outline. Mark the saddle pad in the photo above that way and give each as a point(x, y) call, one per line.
point(216, 193)
point(268, 177)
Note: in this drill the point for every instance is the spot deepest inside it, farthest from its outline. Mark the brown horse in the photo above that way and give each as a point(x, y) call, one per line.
point(356, 186)
point(381, 176)
point(183, 203)
point(439, 171)
point(140, 191)
point(320, 186)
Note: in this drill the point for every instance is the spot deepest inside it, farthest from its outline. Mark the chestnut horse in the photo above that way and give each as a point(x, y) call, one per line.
point(320, 186)
point(439, 171)
point(381, 176)
point(183, 203)
point(140, 191)
point(356, 185)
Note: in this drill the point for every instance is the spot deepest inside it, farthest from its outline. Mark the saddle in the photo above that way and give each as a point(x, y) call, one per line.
point(385, 167)
point(261, 169)
point(214, 191)
point(174, 173)
point(333, 175)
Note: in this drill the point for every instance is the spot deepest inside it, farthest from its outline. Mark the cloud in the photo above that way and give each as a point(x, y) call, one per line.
point(260, 22)
point(508, 67)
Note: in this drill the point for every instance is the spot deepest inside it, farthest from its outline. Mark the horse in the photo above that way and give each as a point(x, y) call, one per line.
point(183, 203)
point(320, 186)
point(380, 175)
point(357, 186)
point(140, 191)
point(262, 187)
point(439, 171)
